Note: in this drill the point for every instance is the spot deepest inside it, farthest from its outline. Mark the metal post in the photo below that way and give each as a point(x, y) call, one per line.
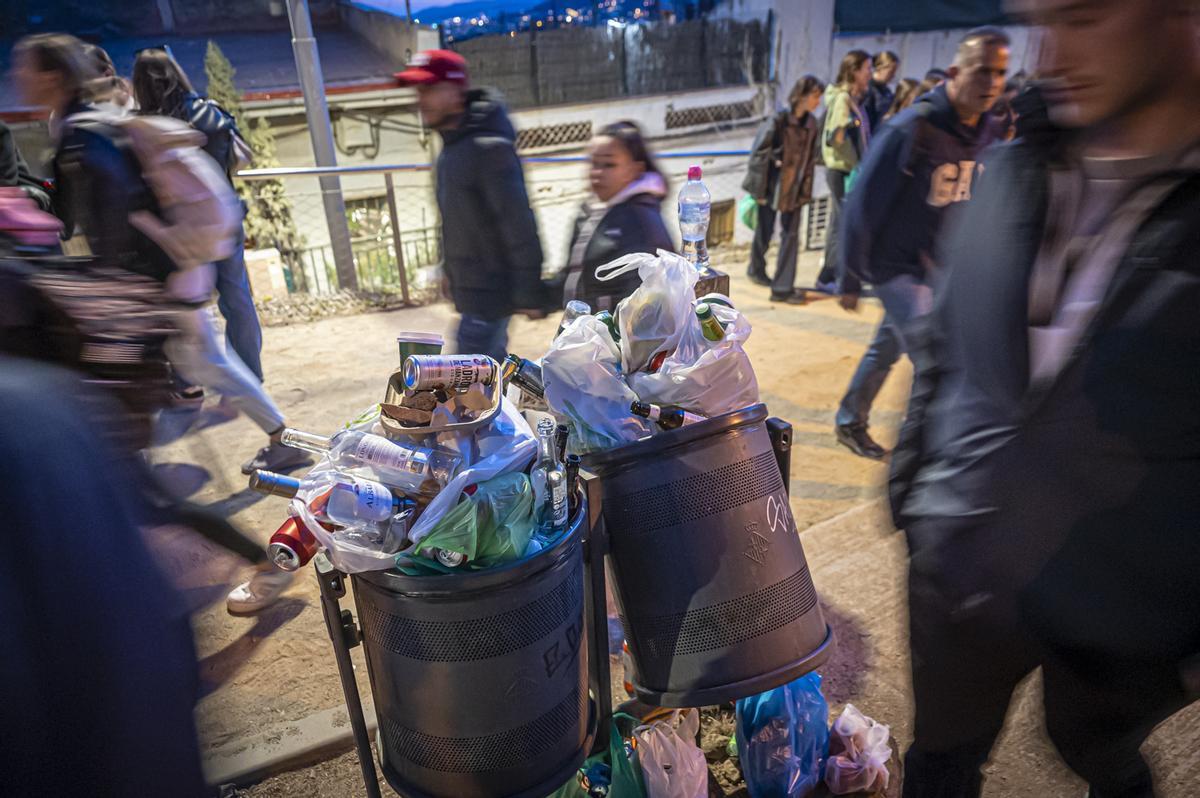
point(596, 607)
point(391, 200)
point(308, 67)
point(333, 587)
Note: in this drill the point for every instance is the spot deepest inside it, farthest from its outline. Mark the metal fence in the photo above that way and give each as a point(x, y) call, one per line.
point(396, 231)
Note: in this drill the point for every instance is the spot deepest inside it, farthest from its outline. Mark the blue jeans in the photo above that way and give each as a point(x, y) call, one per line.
point(904, 298)
point(243, 333)
point(480, 336)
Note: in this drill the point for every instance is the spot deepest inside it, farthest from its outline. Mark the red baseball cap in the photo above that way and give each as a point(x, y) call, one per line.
point(434, 66)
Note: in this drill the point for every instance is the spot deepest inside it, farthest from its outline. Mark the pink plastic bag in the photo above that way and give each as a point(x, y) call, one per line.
point(858, 754)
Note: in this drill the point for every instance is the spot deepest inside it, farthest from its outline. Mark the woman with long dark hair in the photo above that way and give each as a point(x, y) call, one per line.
point(622, 216)
point(843, 144)
point(779, 177)
point(161, 87)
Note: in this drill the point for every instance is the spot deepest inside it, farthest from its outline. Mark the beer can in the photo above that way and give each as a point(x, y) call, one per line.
point(292, 545)
point(452, 373)
point(450, 559)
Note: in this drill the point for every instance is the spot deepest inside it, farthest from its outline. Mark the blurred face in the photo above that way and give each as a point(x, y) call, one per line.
point(811, 101)
point(978, 82)
point(440, 104)
point(1101, 58)
point(885, 74)
point(35, 86)
point(612, 167)
point(862, 78)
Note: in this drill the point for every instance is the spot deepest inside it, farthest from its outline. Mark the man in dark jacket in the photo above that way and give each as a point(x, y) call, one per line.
point(491, 251)
point(919, 167)
point(15, 172)
point(1047, 471)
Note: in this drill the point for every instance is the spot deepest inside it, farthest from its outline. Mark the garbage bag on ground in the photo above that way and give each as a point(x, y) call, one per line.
point(654, 316)
point(490, 527)
point(783, 735)
point(702, 376)
point(624, 775)
point(673, 766)
point(582, 375)
point(858, 754)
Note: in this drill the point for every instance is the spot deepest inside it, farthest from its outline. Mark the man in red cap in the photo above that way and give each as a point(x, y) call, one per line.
point(491, 252)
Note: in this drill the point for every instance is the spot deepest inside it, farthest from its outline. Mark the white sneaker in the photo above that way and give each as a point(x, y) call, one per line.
point(263, 590)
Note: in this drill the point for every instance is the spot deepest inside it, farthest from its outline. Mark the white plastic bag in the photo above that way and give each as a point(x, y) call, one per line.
point(503, 445)
point(858, 754)
point(654, 316)
point(673, 766)
point(705, 377)
point(582, 375)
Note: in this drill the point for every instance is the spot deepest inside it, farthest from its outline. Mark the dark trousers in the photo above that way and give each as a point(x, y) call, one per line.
point(480, 336)
point(969, 652)
point(243, 333)
point(789, 247)
point(837, 192)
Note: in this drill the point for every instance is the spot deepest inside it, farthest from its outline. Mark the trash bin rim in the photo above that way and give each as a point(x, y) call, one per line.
point(461, 584)
point(608, 462)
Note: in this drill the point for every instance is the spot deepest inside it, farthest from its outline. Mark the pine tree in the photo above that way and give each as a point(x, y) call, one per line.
point(269, 221)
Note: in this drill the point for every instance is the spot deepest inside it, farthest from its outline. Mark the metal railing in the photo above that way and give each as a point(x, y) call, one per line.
point(396, 230)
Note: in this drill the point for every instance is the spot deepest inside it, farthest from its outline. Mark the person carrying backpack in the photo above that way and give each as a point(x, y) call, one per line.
point(150, 203)
point(161, 87)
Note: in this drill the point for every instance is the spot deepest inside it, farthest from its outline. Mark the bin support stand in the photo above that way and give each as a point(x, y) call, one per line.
point(595, 601)
point(344, 635)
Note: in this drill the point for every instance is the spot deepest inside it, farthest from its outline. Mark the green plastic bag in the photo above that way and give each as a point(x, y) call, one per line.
point(491, 527)
point(625, 775)
point(748, 211)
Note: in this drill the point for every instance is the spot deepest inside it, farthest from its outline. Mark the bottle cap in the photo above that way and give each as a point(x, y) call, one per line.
point(694, 173)
point(703, 310)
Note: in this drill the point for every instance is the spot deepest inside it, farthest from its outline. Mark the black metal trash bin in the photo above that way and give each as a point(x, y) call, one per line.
point(480, 680)
point(707, 568)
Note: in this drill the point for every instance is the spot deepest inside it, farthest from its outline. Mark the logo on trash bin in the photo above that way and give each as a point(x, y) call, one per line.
point(756, 550)
point(563, 652)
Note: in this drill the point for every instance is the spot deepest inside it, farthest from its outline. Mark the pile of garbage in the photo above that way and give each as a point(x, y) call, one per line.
point(663, 359)
point(441, 477)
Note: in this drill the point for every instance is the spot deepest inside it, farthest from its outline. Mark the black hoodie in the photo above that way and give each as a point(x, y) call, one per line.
point(919, 164)
point(491, 251)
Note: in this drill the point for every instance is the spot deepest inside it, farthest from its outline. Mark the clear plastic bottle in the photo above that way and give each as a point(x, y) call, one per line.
point(412, 469)
point(574, 309)
point(549, 482)
point(695, 207)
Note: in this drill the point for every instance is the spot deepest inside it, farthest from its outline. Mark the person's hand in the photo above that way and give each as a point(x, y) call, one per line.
point(848, 301)
point(444, 287)
point(533, 314)
point(762, 201)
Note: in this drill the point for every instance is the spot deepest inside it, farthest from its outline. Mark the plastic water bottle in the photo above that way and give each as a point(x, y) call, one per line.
point(695, 205)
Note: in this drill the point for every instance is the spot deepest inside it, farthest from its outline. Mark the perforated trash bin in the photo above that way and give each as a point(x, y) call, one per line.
point(480, 679)
point(707, 567)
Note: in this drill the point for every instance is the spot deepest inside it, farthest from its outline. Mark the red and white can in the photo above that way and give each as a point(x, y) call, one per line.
point(292, 545)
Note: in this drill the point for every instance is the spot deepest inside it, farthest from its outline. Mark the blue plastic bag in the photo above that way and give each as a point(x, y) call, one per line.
point(783, 737)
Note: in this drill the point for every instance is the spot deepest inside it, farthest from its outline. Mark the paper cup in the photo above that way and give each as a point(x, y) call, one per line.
point(418, 343)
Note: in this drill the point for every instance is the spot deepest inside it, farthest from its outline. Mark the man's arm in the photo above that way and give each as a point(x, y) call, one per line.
point(869, 205)
point(502, 185)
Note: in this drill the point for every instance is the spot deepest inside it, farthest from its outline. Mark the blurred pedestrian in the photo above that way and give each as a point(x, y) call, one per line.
point(780, 177)
point(162, 88)
point(1047, 470)
point(492, 257)
point(110, 91)
point(936, 76)
point(843, 144)
point(99, 186)
point(98, 668)
point(907, 92)
point(923, 163)
point(880, 96)
point(623, 216)
point(14, 171)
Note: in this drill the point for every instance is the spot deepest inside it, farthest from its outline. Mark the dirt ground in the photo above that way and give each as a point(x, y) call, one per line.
point(278, 667)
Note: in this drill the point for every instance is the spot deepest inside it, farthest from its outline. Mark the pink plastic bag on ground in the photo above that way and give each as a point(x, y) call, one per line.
point(858, 754)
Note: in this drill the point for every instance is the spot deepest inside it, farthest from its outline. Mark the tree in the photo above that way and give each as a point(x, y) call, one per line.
point(269, 220)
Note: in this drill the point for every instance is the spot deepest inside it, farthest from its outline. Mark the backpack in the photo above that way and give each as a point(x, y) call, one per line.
point(199, 212)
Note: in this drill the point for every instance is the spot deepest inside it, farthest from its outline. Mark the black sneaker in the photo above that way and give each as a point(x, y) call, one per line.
point(797, 297)
point(855, 438)
point(758, 279)
point(276, 457)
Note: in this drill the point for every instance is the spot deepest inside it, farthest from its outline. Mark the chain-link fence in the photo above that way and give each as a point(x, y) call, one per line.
point(396, 236)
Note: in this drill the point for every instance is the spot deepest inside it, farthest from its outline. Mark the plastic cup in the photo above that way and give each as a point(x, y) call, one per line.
point(419, 343)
